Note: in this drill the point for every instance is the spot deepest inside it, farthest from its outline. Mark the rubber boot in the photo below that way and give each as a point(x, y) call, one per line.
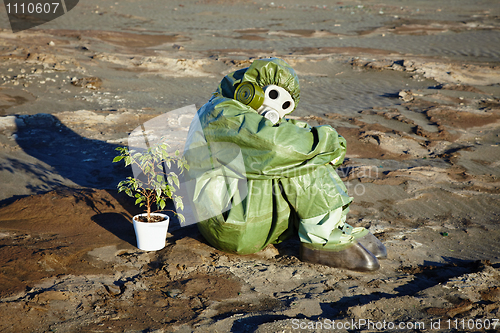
point(374, 245)
point(355, 257)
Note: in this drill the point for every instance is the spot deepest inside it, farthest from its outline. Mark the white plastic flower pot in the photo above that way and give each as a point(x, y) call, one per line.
point(151, 236)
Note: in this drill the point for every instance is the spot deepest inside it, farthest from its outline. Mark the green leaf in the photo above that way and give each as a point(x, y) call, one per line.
point(175, 178)
point(118, 159)
point(162, 204)
point(138, 201)
point(178, 202)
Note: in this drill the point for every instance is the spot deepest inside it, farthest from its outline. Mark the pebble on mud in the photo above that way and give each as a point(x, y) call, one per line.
point(406, 95)
point(91, 82)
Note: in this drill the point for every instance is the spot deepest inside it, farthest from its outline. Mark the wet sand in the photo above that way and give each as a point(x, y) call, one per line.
point(414, 87)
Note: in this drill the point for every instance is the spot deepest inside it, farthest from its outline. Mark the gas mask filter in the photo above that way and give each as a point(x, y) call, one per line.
point(272, 101)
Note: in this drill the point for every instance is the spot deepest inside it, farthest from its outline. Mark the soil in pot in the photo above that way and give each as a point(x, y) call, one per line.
point(154, 218)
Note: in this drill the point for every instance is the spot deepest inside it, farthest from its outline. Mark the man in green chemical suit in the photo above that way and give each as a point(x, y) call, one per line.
point(258, 178)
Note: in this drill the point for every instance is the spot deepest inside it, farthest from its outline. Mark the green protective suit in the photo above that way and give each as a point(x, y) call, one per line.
point(254, 183)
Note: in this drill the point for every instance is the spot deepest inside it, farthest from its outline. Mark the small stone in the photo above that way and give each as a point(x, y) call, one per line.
point(174, 293)
point(409, 65)
point(397, 67)
point(87, 82)
point(406, 95)
point(113, 289)
point(51, 43)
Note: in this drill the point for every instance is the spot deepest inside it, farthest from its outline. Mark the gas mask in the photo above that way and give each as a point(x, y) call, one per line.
point(272, 101)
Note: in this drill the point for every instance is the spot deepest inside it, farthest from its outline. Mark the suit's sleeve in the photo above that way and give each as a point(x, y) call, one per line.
point(289, 149)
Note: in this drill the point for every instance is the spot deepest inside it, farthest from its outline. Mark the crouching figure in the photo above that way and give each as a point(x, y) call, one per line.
point(258, 178)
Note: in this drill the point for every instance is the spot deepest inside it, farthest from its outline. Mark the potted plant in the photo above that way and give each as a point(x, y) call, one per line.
point(153, 183)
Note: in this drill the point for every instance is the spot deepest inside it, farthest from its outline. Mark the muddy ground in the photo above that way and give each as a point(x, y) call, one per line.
point(414, 87)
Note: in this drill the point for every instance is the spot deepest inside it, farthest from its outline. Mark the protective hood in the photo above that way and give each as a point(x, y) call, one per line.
point(262, 72)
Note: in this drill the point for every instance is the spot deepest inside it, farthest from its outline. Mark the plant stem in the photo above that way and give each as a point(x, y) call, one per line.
point(148, 205)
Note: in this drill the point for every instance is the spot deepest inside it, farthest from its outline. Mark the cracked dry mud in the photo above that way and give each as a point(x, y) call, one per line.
point(414, 87)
